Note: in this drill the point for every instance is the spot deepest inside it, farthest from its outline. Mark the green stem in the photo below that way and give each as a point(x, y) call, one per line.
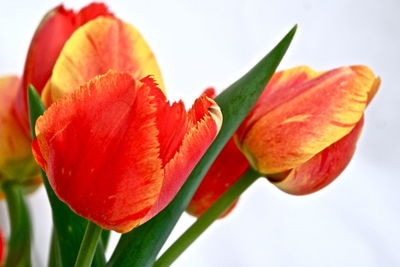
point(88, 245)
point(99, 257)
point(19, 243)
point(208, 217)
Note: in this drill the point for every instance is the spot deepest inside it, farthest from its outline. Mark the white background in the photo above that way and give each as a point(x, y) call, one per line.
point(353, 222)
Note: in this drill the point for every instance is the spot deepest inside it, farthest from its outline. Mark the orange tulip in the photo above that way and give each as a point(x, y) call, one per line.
point(117, 152)
point(301, 134)
point(16, 161)
point(47, 42)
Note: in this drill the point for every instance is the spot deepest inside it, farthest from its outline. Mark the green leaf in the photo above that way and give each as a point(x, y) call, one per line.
point(141, 246)
point(69, 227)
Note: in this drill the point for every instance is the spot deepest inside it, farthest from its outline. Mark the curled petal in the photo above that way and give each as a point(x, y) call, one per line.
point(184, 138)
point(225, 171)
point(321, 169)
point(300, 119)
point(100, 45)
point(49, 38)
point(210, 92)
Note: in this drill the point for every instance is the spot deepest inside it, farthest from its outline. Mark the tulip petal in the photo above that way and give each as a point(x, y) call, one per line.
point(91, 12)
point(99, 148)
point(210, 92)
point(16, 162)
point(277, 93)
point(225, 171)
point(184, 138)
point(323, 168)
point(311, 116)
point(98, 46)
point(50, 37)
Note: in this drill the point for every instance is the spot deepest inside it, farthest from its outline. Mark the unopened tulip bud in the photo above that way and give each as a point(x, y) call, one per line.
point(301, 134)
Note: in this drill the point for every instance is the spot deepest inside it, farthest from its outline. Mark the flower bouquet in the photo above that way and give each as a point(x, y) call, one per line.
point(90, 120)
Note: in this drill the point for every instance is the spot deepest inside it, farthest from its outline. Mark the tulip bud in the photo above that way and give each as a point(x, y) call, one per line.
point(16, 161)
point(295, 131)
point(117, 152)
point(301, 134)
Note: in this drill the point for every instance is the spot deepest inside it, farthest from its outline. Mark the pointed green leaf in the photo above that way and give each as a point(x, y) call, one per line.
point(69, 226)
point(141, 246)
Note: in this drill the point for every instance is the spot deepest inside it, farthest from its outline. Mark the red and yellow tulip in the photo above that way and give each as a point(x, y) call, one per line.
point(137, 149)
point(301, 134)
point(117, 152)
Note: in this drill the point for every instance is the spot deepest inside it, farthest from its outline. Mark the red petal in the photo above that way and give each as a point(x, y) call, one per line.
point(100, 150)
point(210, 92)
point(225, 171)
point(91, 12)
point(323, 168)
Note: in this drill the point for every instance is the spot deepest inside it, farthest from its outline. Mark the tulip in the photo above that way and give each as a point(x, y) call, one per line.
point(16, 161)
point(301, 134)
point(54, 30)
point(117, 152)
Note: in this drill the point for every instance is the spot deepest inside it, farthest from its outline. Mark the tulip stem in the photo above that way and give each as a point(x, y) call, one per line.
point(208, 217)
point(19, 243)
point(88, 245)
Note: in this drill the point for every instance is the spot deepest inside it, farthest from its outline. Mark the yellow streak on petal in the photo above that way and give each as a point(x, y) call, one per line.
point(297, 118)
